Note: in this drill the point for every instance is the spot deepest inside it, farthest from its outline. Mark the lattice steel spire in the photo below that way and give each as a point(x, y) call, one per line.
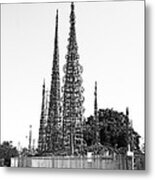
point(42, 131)
point(96, 115)
point(54, 117)
point(95, 102)
point(72, 94)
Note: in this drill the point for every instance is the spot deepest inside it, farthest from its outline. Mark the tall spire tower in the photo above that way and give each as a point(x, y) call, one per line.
point(72, 94)
point(54, 117)
point(42, 132)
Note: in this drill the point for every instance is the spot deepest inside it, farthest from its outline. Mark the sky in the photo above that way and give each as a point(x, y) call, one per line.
point(110, 37)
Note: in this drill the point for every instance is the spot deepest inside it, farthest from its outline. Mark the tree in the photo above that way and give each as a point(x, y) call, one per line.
point(115, 130)
point(7, 151)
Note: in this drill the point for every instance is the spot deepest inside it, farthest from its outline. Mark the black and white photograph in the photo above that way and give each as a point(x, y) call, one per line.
point(73, 85)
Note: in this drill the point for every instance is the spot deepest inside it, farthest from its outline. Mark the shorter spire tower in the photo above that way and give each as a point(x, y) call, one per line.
point(96, 115)
point(42, 131)
point(95, 102)
point(30, 138)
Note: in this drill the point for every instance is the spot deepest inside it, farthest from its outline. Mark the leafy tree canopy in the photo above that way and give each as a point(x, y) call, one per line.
point(7, 150)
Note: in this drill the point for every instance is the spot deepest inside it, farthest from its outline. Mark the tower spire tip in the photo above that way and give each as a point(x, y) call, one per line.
point(72, 5)
point(44, 82)
point(57, 13)
point(127, 111)
point(57, 16)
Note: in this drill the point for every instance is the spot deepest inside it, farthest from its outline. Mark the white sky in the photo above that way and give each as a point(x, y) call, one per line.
point(110, 37)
